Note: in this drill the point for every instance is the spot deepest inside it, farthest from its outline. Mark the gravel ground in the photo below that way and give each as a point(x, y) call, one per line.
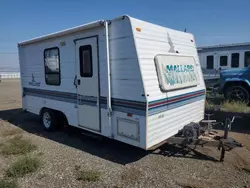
point(119, 165)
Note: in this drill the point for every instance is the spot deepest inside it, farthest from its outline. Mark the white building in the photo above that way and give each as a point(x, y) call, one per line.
point(214, 58)
point(9, 75)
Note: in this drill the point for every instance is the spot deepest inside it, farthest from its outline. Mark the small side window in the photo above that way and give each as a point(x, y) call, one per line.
point(52, 66)
point(235, 60)
point(85, 56)
point(247, 59)
point(223, 60)
point(210, 62)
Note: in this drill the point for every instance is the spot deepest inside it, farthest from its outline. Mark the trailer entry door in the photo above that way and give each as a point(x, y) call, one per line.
point(88, 83)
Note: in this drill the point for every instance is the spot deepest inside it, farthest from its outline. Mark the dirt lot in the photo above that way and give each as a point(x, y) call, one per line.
point(69, 159)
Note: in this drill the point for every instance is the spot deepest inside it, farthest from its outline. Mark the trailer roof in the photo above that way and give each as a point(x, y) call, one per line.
point(223, 46)
point(70, 30)
point(63, 32)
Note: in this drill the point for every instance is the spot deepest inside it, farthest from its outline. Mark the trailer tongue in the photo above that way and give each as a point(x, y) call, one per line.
point(202, 134)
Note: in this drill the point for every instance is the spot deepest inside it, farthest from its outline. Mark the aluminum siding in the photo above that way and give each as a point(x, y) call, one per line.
point(153, 40)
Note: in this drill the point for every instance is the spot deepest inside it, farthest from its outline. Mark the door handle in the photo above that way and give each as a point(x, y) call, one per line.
point(79, 82)
point(75, 82)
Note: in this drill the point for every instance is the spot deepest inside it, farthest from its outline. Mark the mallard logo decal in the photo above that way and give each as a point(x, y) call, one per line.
point(179, 74)
point(33, 82)
point(171, 44)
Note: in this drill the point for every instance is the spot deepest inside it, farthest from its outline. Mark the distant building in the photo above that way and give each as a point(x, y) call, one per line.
point(225, 56)
point(9, 73)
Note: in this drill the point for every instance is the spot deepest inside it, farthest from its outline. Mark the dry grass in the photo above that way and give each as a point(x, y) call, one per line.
point(17, 145)
point(209, 105)
point(229, 106)
point(6, 183)
point(247, 169)
point(190, 185)
point(235, 106)
point(23, 166)
point(131, 175)
point(87, 175)
point(40, 153)
point(10, 131)
point(90, 175)
point(41, 176)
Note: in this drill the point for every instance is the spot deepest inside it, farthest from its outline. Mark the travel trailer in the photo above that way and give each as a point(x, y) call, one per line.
point(126, 79)
point(227, 56)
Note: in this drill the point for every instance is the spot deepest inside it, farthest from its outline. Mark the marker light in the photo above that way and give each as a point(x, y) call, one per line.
point(138, 29)
point(129, 114)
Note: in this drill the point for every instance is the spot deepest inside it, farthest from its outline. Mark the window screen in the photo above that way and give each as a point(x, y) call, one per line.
point(223, 60)
point(52, 66)
point(210, 62)
point(85, 53)
point(247, 59)
point(235, 60)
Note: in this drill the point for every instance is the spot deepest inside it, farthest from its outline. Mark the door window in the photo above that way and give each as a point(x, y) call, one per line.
point(86, 67)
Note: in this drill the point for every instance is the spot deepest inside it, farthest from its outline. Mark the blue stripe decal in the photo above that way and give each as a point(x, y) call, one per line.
point(174, 97)
point(126, 106)
point(176, 100)
point(51, 97)
point(121, 105)
point(177, 104)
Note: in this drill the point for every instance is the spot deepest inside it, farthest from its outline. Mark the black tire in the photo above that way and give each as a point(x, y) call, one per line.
point(49, 120)
point(61, 120)
point(237, 93)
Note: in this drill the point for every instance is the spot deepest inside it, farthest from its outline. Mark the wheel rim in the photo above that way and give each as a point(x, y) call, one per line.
point(239, 94)
point(46, 120)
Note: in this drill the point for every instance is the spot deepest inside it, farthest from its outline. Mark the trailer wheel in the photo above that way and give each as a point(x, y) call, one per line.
point(237, 93)
point(49, 120)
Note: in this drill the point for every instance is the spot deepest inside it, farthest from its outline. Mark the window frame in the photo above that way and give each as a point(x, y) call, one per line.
point(207, 61)
point(245, 57)
point(59, 63)
point(87, 47)
point(227, 60)
point(238, 61)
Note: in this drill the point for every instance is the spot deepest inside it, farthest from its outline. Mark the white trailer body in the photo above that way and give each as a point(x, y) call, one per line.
point(125, 79)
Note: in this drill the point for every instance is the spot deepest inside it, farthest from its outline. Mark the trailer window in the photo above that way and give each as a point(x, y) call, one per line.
point(247, 58)
point(52, 66)
point(210, 62)
point(223, 60)
point(85, 53)
point(235, 60)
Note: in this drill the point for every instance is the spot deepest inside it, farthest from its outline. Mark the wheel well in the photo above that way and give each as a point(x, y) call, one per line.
point(60, 115)
point(236, 83)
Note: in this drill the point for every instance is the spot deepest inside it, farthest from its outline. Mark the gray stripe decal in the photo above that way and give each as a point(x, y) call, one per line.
point(52, 97)
point(126, 106)
point(125, 103)
point(50, 93)
point(125, 109)
point(87, 100)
